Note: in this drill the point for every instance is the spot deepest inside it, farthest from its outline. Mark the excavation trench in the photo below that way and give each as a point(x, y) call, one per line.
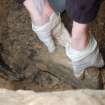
point(25, 62)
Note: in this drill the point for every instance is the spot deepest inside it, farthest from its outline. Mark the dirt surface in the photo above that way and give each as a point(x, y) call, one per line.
point(25, 62)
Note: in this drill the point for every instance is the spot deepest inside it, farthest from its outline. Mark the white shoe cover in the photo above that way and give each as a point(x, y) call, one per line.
point(54, 28)
point(44, 34)
point(91, 58)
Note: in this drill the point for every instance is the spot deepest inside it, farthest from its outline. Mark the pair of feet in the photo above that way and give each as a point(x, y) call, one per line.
point(55, 28)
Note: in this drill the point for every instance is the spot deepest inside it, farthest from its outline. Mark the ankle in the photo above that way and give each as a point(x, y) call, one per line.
point(79, 43)
point(80, 34)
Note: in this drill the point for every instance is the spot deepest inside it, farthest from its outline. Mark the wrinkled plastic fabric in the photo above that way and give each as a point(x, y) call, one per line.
point(83, 59)
point(53, 28)
point(39, 5)
point(37, 9)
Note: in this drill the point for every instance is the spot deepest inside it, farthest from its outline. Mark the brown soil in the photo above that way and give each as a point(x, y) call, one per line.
point(25, 62)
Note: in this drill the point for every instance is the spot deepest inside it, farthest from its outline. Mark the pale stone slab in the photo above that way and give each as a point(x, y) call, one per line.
point(79, 97)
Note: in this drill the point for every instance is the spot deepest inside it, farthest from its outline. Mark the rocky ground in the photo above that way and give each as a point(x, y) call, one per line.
point(25, 62)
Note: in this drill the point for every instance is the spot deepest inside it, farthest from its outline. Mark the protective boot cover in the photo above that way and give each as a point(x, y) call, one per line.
point(83, 59)
point(60, 32)
point(92, 60)
point(44, 34)
point(54, 28)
